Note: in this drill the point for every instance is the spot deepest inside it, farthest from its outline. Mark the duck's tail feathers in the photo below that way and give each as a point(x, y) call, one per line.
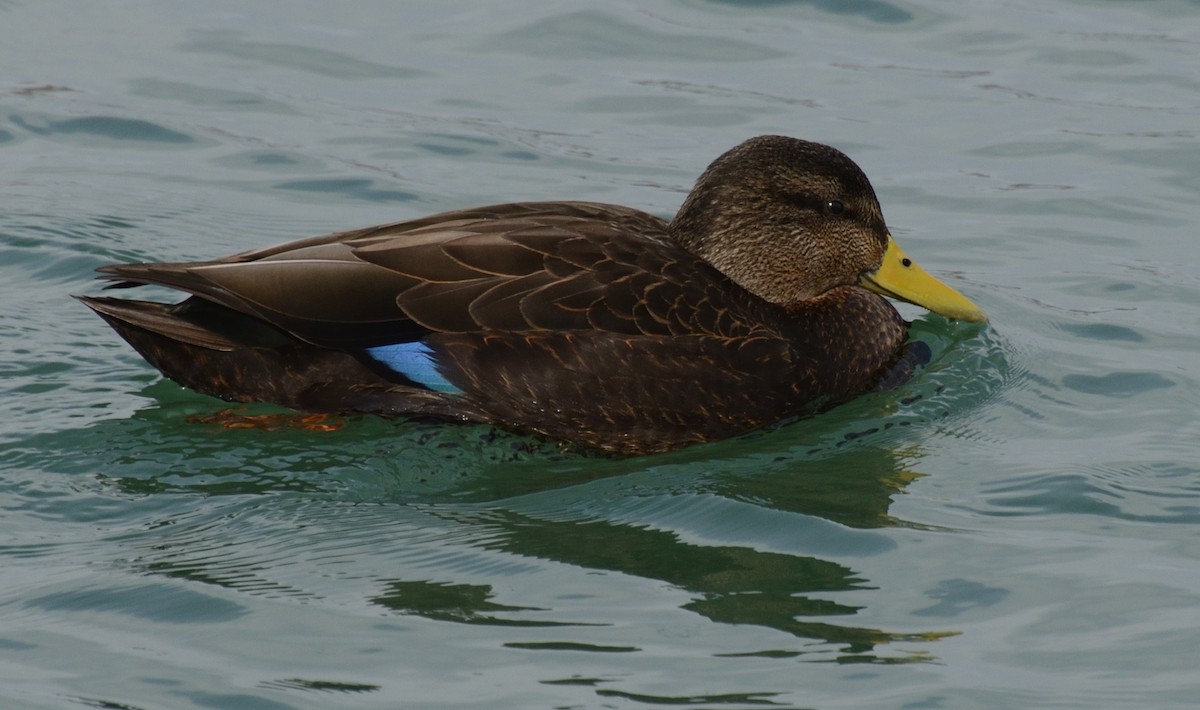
point(156, 318)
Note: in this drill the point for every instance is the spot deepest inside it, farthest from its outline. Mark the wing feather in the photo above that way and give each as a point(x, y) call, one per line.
point(521, 267)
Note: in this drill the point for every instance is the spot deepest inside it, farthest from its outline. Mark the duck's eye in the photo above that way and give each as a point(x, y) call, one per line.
point(835, 207)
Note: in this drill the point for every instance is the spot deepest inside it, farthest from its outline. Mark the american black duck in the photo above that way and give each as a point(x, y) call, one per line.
point(589, 323)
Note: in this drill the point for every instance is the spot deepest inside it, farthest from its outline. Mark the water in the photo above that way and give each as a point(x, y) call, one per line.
point(1014, 528)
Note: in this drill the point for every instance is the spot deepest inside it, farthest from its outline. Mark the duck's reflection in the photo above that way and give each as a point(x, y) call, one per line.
point(827, 482)
point(730, 584)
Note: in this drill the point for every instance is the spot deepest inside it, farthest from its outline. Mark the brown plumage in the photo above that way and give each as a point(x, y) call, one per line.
point(589, 323)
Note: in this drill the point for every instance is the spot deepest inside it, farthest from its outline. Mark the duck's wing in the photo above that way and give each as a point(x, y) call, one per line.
point(551, 267)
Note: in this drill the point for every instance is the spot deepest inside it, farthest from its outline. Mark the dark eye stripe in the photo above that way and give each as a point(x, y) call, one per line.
point(808, 201)
point(805, 201)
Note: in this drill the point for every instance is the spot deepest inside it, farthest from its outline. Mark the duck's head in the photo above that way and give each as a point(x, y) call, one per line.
point(788, 220)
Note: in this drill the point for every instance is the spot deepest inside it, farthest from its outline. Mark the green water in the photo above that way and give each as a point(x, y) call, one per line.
point(1014, 528)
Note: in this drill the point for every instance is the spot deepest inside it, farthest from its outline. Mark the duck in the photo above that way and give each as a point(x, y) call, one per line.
point(597, 326)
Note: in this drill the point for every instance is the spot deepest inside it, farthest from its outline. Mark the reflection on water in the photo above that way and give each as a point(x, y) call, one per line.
point(461, 603)
point(424, 518)
point(854, 487)
point(733, 585)
point(233, 547)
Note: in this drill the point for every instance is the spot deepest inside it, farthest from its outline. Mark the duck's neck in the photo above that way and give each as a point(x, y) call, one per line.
point(766, 268)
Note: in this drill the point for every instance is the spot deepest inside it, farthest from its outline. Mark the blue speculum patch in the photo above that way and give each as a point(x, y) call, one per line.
point(413, 360)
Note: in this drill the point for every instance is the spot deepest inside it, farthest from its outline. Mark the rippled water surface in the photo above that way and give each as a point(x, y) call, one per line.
point(1015, 527)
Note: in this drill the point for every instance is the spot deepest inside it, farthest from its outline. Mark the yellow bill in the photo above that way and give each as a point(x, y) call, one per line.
point(899, 277)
